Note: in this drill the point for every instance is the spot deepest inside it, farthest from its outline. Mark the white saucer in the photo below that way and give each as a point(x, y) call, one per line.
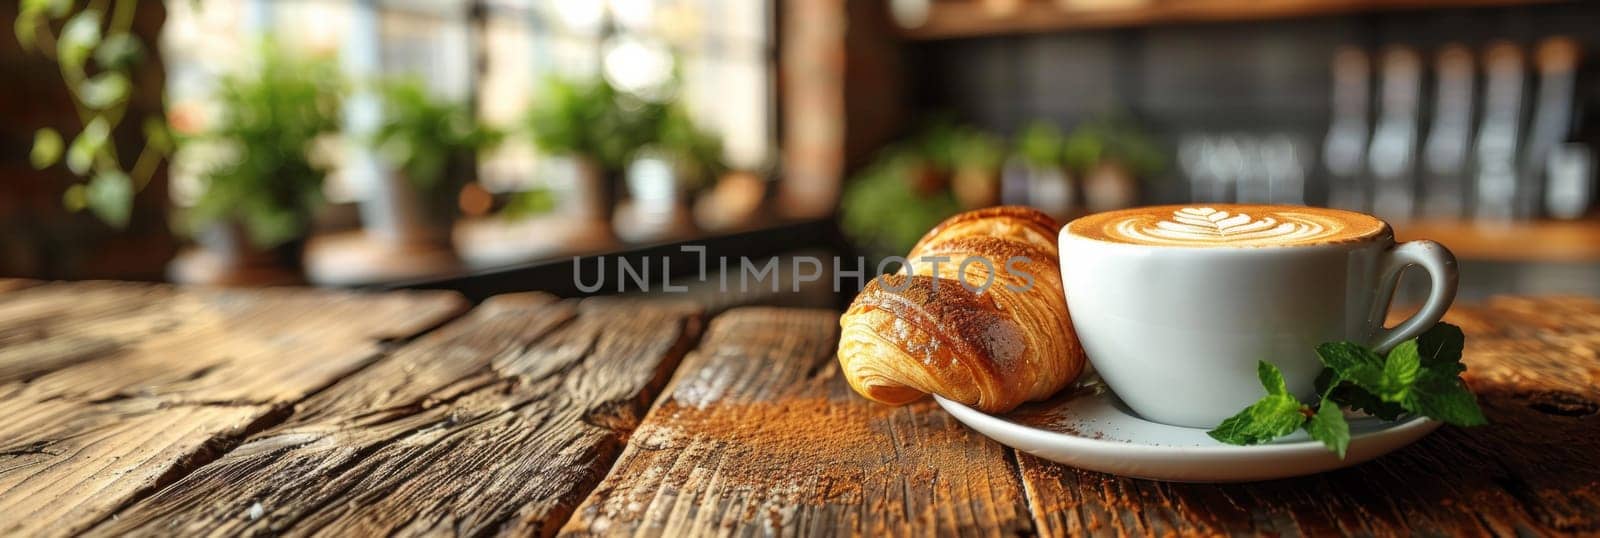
point(1088, 427)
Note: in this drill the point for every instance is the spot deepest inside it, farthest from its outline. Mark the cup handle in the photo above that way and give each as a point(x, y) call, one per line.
point(1440, 265)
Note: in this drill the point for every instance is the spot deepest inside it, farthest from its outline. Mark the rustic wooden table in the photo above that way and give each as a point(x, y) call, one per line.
point(142, 409)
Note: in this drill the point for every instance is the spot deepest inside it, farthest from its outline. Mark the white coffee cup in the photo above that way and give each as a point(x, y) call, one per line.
point(1176, 331)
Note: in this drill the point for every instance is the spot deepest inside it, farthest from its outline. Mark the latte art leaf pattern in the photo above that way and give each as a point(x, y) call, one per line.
point(1227, 226)
point(1211, 226)
point(1205, 221)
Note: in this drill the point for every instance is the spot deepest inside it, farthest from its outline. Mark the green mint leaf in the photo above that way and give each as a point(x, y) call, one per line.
point(1359, 399)
point(1347, 355)
point(1439, 392)
point(1271, 379)
point(1400, 371)
point(1440, 351)
point(1275, 415)
point(1444, 397)
point(1354, 363)
point(1326, 380)
point(1329, 427)
point(1269, 418)
point(1417, 377)
point(1441, 345)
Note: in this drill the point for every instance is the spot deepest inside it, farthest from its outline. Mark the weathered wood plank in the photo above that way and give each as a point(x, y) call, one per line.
point(110, 390)
point(497, 423)
point(1535, 364)
point(64, 324)
point(759, 434)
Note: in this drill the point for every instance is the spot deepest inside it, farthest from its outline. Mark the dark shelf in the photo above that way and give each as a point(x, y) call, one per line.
point(971, 18)
point(556, 276)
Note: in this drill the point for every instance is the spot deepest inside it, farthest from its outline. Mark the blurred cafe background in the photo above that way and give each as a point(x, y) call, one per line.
point(490, 146)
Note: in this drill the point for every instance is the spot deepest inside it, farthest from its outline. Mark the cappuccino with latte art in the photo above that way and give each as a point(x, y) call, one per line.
point(1228, 225)
point(1175, 306)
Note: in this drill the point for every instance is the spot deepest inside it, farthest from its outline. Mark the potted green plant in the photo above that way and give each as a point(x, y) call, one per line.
point(676, 159)
point(582, 123)
point(256, 199)
point(1111, 155)
point(927, 168)
point(884, 212)
point(696, 153)
point(975, 162)
point(1034, 174)
point(431, 143)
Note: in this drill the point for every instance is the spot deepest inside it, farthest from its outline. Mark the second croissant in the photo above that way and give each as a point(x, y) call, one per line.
point(990, 333)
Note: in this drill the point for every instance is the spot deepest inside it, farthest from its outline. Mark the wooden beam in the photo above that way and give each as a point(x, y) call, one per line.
point(759, 434)
point(498, 423)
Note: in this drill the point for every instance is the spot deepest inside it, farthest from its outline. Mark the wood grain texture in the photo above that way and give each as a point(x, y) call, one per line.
point(497, 423)
point(152, 410)
point(1535, 364)
point(759, 434)
point(111, 390)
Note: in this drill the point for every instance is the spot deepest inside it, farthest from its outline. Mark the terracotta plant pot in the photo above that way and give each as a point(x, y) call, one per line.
point(1110, 185)
point(976, 187)
point(420, 219)
point(1046, 188)
point(925, 179)
point(1014, 181)
point(226, 257)
point(407, 234)
point(1052, 190)
point(590, 189)
point(658, 202)
point(735, 202)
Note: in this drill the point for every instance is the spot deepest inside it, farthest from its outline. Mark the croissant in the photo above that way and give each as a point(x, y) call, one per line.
point(924, 331)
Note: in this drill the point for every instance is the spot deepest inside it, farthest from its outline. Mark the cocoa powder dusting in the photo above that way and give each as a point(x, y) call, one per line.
point(821, 451)
point(759, 433)
point(765, 443)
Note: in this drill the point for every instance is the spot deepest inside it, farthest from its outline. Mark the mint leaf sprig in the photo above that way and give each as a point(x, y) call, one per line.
point(1418, 377)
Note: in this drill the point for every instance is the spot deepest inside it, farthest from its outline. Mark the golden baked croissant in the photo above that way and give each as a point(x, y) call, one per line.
point(992, 349)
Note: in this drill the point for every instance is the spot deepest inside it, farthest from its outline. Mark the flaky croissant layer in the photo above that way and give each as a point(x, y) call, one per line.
point(990, 333)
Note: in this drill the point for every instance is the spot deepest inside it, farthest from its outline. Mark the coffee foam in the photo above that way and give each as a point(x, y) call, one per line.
point(1228, 225)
